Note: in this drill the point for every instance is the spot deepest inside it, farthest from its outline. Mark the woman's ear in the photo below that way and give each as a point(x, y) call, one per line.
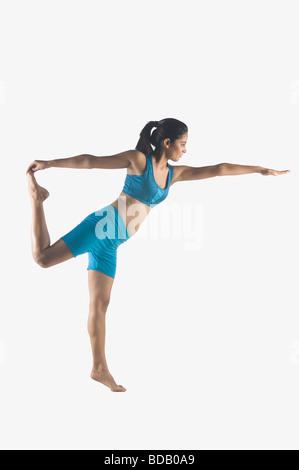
point(166, 143)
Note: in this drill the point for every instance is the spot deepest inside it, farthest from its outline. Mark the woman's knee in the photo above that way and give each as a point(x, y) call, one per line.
point(97, 317)
point(99, 305)
point(54, 254)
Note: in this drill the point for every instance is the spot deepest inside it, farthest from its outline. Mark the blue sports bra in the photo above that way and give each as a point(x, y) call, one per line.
point(144, 187)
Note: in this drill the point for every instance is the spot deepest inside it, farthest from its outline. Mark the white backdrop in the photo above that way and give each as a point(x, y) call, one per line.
point(206, 340)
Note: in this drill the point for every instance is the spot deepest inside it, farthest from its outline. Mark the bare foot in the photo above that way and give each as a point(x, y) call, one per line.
point(35, 190)
point(106, 378)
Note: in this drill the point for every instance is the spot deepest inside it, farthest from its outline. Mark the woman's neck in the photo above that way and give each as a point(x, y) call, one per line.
point(160, 161)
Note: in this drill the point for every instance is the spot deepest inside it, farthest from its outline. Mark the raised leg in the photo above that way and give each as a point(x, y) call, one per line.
point(100, 286)
point(44, 254)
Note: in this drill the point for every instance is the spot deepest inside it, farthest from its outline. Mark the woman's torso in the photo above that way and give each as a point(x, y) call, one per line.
point(132, 211)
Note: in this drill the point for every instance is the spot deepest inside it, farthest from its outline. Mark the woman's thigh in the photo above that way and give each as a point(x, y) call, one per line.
point(95, 235)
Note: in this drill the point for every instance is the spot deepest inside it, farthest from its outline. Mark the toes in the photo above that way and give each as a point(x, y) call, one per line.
point(119, 388)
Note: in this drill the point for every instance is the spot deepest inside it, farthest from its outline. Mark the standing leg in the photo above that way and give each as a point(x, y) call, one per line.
point(44, 254)
point(100, 286)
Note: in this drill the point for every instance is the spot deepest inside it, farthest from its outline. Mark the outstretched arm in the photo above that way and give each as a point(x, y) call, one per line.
point(189, 173)
point(119, 160)
point(232, 169)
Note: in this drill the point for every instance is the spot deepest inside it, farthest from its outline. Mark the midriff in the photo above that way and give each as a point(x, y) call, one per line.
point(132, 211)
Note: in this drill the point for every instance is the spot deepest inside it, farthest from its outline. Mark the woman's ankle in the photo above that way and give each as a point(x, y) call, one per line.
point(100, 367)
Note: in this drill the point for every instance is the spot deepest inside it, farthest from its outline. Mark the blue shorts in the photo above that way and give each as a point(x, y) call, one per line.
point(99, 235)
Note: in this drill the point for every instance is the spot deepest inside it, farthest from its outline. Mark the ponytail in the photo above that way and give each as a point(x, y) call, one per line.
point(144, 142)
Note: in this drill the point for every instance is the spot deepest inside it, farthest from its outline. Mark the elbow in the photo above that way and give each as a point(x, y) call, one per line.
point(221, 169)
point(86, 161)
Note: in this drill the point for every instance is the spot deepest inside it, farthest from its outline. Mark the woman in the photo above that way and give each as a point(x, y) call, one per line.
point(149, 177)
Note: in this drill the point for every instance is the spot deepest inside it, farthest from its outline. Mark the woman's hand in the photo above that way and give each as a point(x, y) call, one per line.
point(267, 171)
point(38, 165)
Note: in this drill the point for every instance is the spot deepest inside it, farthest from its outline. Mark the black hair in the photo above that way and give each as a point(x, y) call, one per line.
point(168, 128)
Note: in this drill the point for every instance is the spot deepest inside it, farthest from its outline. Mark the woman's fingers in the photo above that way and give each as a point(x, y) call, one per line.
point(31, 167)
point(282, 172)
point(268, 171)
point(37, 165)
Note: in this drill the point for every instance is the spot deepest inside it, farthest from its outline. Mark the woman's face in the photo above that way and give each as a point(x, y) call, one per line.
point(178, 148)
